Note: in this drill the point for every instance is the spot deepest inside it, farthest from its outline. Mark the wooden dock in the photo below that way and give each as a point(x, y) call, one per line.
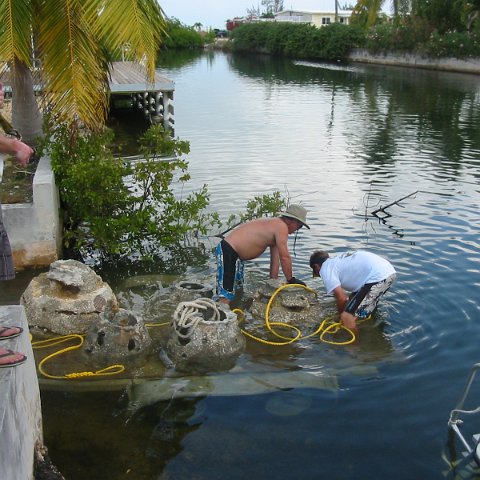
point(128, 77)
point(128, 85)
point(128, 80)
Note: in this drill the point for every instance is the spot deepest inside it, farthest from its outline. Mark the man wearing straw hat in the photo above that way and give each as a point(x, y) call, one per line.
point(249, 240)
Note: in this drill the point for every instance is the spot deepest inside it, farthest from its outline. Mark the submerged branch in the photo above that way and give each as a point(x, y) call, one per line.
point(396, 202)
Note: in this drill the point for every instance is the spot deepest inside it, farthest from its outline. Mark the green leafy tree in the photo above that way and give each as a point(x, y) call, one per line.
point(367, 13)
point(332, 42)
point(112, 207)
point(447, 15)
point(75, 41)
point(179, 36)
point(272, 6)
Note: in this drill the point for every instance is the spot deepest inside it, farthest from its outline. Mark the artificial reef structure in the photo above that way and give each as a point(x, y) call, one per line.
point(196, 334)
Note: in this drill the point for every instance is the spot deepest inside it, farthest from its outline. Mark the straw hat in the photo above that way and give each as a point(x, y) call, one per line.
point(297, 212)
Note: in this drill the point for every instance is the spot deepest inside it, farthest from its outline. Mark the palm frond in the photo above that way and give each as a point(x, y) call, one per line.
point(143, 31)
point(74, 75)
point(373, 11)
point(16, 18)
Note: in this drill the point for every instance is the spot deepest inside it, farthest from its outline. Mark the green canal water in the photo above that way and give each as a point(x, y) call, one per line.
point(342, 140)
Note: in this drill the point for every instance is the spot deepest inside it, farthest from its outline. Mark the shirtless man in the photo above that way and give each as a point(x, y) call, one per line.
point(249, 241)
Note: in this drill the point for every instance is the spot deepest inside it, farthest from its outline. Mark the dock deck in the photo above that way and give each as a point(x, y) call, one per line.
point(128, 77)
point(128, 80)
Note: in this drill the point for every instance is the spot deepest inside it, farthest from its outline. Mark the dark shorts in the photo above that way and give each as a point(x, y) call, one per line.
point(363, 302)
point(7, 272)
point(230, 270)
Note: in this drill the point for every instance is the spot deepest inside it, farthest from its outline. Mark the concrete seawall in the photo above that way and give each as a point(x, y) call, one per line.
point(34, 229)
point(413, 60)
point(20, 406)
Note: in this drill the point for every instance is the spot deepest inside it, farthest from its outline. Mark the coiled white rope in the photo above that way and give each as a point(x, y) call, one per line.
point(187, 315)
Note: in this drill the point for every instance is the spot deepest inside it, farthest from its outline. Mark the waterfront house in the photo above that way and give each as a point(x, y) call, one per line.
point(319, 19)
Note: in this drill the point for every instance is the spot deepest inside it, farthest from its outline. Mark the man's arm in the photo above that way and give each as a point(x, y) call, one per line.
point(341, 298)
point(15, 147)
point(274, 262)
point(347, 319)
point(281, 239)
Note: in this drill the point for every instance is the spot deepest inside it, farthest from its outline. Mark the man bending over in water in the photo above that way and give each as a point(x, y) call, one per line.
point(249, 241)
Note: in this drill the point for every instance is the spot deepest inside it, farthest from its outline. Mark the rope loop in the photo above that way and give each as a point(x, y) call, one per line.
point(188, 315)
point(111, 370)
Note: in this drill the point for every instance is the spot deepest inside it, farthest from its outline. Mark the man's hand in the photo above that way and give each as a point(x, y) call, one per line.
point(296, 281)
point(348, 320)
point(22, 152)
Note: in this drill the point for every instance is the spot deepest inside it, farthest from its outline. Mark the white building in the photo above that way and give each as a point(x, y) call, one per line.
point(319, 19)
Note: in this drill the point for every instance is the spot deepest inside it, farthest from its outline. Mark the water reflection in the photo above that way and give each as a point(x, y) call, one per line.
point(389, 105)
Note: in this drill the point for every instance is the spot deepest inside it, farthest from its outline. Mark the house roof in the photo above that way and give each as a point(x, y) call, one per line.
point(315, 12)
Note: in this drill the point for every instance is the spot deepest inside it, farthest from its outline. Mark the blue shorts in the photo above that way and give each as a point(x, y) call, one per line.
point(230, 271)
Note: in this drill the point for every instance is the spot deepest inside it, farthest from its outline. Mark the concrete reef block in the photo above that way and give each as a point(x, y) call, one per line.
point(205, 335)
point(118, 337)
point(190, 290)
point(295, 306)
point(67, 299)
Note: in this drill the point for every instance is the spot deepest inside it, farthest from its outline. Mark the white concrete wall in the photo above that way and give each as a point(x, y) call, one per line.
point(451, 64)
point(34, 229)
point(20, 406)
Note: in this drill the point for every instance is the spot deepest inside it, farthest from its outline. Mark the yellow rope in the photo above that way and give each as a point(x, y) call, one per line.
point(326, 326)
point(157, 324)
point(111, 370)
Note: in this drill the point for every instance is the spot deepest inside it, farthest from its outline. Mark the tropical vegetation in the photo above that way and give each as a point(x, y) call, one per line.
point(441, 15)
point(114, 207)
point(75, 42)
point(433, 27)
point(180, 36)
point(298, 40)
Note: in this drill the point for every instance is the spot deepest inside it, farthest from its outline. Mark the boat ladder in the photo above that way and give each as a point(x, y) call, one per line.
point(454, 421)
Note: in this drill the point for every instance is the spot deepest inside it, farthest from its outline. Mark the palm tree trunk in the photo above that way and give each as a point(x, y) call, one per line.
point(26, 116)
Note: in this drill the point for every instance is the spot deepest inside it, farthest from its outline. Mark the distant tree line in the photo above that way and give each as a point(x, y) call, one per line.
point(440, 15)
point(180, 36)
point(437, 28)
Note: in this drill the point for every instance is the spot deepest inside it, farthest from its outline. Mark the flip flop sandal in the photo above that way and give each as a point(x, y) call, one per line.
point(14, 363)
point(5, 336)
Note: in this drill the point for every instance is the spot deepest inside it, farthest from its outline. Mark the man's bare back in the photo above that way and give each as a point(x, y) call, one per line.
point(251, 239)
